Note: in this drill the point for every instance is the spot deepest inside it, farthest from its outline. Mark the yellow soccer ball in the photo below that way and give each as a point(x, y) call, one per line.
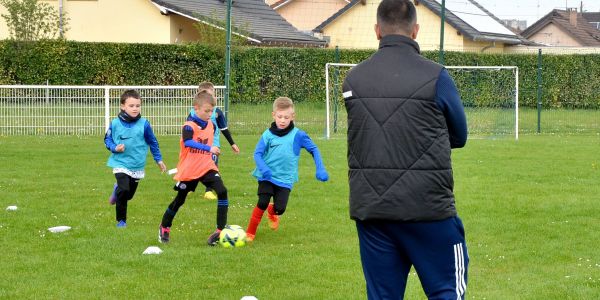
point(232, 236)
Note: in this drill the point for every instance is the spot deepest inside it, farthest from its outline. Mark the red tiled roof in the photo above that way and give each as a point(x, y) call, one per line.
point(583, 32)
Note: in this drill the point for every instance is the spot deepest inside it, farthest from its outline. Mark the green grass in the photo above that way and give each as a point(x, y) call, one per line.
point(529, 207)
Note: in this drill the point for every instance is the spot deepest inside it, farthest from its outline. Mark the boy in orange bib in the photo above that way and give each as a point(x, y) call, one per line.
point(196, 165)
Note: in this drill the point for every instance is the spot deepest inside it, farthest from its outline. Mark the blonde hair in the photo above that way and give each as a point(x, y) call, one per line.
point(283, 103)
point(202, 97)
point(205, 85)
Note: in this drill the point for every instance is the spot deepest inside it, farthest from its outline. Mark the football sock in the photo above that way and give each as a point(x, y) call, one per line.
point(257, 214)
point(271, 209)
point(222, 207)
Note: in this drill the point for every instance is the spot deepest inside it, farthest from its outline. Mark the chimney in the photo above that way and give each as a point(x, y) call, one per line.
point(573, 16)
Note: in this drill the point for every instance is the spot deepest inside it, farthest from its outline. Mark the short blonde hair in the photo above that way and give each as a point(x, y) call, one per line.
point(204, 97)
point(283, 103)
point(205, 85)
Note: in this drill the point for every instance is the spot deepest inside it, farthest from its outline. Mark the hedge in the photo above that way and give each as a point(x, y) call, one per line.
point(261, 74)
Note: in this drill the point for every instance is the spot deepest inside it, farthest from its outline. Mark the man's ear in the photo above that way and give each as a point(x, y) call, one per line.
point(415, 32)
point(377, 31)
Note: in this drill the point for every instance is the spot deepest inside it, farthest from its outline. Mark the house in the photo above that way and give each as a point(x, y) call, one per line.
point(172, 21)
point(468, 27)
point(305, 15)
point(515, 25)
point(593, 18)
point(565, 28)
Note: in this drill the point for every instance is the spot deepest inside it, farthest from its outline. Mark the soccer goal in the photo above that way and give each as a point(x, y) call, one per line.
point(490, 95)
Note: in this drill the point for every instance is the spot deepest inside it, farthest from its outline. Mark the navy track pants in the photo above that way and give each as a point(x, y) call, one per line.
point(436, 249)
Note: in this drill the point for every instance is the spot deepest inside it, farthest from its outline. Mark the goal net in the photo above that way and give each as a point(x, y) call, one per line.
point(490, 95)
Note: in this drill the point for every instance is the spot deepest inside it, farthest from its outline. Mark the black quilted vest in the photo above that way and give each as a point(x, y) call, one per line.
point(398, 144)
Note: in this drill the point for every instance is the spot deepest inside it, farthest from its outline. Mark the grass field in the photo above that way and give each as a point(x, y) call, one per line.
point(530, 210)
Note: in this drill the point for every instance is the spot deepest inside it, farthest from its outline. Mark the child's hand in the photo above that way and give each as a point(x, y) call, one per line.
point(235, 148)
point(120, 148)
point(162, 166)
point(267, 174)
point(322, 175)
point(215, 150)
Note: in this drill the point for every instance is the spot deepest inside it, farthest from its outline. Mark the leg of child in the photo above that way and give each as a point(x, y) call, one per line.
point(126, 187)
point(222, 201)
point(257, 214)
point(213, 180)
point(209, 193)
point(171, 211)
point(277, 208)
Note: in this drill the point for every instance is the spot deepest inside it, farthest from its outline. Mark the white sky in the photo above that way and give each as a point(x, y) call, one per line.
point(531, 10)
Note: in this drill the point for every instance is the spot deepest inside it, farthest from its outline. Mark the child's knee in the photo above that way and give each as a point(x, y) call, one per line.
point(221, 192)
point(124, 194)
point(279, 210)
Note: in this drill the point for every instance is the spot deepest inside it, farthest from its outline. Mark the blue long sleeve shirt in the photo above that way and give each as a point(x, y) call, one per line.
point(187, 134)
point(149, 137)
point(280, 155)
point(449, 102)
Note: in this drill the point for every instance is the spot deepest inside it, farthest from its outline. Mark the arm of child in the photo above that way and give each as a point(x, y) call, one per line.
point(162, 166)
point(227, 135)
point(307, 143)
point(110, 143)
point(152, 142)
point(187, 134)
point(222, 124)
point(260, 162)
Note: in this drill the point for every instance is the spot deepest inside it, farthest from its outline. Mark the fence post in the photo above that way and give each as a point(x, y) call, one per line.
point(106, 108)
point(539, 92)
point(47, 92)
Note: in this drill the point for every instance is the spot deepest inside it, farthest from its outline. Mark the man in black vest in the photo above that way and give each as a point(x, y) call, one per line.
point(404, 116)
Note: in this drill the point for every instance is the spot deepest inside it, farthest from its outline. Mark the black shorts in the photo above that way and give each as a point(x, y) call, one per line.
point(277, 192)
point(209, 180)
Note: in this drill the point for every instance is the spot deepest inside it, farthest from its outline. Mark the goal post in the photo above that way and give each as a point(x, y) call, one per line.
point(337, 87)
point(490, 95)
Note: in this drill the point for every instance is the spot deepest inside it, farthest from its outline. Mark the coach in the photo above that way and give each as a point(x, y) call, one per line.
point(404, 116)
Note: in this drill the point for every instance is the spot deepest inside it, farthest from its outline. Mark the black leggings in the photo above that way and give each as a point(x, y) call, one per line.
point(126, 187)
point(280, 195)
point(211, 180)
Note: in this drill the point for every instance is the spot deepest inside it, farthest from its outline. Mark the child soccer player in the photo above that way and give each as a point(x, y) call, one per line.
point(220, 123)
point(196, 165)
point(276, 156)
point(128, 138)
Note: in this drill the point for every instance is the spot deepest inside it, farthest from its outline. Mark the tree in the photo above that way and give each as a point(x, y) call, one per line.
point(30, 20)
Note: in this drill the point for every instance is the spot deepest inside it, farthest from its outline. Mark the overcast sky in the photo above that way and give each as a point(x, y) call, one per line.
point(532, 10)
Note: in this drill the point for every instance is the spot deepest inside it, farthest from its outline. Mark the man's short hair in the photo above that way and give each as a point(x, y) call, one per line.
point(204, 97)
point(282, 103)
point(396, 17)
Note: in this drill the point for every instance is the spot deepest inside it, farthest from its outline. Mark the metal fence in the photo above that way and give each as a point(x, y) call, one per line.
point(87, 110)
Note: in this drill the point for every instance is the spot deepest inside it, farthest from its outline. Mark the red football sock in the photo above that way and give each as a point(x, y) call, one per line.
point(257, 214)
point(271, 209)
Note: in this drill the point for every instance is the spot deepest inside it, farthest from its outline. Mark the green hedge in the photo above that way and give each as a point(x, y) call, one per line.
point(261, 74)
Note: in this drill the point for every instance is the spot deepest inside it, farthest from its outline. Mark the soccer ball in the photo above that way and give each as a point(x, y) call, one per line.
point(232, 236)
